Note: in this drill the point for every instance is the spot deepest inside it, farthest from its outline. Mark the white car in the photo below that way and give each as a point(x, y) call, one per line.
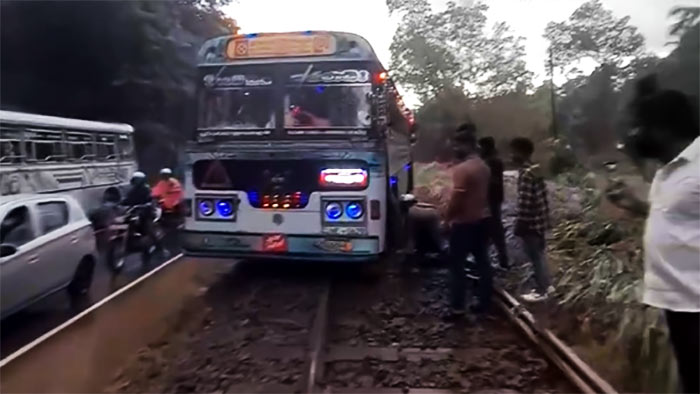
point(46, 244)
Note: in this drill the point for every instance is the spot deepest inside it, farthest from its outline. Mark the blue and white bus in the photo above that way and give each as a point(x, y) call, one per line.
point(302, 149)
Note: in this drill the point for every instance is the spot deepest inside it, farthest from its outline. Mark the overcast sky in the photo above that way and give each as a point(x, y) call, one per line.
point(370, 19)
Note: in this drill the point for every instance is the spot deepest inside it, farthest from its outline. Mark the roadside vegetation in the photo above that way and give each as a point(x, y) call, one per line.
point(594, 249)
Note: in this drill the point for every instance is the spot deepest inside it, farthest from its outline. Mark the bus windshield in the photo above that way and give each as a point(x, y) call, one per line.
point(237, 108)
point(324, 106)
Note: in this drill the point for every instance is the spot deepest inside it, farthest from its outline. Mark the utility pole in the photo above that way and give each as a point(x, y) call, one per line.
point(552, 93)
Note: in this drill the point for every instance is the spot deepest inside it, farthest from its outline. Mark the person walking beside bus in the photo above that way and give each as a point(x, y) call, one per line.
point(532, 215)
point(667, 131)
point(168, 191)
point(466, 214)
point(495, 196)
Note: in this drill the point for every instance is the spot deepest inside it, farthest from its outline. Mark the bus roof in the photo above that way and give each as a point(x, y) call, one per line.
point(26, 119)
point(303, 46)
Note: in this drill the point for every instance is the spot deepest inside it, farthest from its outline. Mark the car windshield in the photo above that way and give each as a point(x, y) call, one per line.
point(237, 108)
point(323, 106)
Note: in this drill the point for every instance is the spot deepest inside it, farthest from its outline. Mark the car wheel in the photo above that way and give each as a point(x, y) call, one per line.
point(115, 256)
point(82, 278)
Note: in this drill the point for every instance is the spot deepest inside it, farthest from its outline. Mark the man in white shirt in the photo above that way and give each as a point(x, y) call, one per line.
point(667, 131)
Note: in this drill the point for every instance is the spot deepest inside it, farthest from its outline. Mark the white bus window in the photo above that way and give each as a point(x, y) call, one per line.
point(43, 151)
point(105, 151)
point(82, 151)
point(46, 145)
point(80, 146)
point(48, 151)
point(52, 216)
point(105, 146)
point(250, 108)
point(11, 152)
point(125, 148)
point(10, 145)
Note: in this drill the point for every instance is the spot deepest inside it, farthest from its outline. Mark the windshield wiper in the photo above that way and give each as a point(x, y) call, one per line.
point(218, 73)
point(306, 74)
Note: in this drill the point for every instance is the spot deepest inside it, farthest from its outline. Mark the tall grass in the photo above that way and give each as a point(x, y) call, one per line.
point(604, 283)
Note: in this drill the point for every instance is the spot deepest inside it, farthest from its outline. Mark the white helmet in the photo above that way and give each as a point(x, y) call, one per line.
point(138, 175)
point(166, 171)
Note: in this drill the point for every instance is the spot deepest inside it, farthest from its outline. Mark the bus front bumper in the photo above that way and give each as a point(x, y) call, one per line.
point(289, 247)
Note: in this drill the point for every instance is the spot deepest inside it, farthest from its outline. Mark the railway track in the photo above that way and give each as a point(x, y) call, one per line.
point(314, 330)
point(285, 328)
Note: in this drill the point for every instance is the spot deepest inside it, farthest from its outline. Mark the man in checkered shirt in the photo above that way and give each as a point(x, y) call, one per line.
point(532, 219)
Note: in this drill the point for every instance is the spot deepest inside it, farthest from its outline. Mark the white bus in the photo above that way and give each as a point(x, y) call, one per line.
point(302, 150)
point(46, 154)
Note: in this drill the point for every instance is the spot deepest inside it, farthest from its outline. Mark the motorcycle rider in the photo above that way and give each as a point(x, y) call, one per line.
point(168, 191)
point(140, 194)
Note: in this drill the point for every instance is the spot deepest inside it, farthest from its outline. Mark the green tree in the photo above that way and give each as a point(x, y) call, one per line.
point(434, 51)
point(593, 32)
point(125, 61)
point(686, 18)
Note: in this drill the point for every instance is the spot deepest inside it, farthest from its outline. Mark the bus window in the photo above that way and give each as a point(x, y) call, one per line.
point(11, 152)
point(246, 108)
point(105, 146)
point(10, 145)
point(46, 145)
point(43, 150)
point(125, 148)
point(80, 146)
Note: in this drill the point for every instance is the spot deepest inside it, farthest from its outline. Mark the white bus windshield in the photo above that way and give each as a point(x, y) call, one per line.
point(237, 108)
point(327, 106)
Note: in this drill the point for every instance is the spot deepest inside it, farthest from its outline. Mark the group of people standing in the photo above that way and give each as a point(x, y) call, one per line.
point(474, 216)
point(664, 129)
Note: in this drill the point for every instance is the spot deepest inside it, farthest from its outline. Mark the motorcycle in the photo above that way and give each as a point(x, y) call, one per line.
point(126, 236)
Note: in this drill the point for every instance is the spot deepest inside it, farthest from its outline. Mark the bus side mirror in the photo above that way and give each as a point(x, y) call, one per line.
point(407, 201)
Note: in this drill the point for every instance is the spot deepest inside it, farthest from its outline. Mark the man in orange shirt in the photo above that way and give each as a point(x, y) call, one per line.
point(168, 191)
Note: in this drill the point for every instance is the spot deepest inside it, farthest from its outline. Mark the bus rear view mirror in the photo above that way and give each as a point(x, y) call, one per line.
point(407, 201)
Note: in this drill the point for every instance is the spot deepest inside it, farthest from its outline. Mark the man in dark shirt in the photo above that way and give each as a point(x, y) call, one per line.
point(495, 197)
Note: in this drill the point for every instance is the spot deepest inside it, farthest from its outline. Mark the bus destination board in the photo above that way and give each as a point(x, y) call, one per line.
point(274, 45)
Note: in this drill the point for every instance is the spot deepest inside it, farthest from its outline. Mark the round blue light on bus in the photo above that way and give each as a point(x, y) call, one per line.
point(225, 207)
point(334, 210)
point(206, 207)
point(354, 210)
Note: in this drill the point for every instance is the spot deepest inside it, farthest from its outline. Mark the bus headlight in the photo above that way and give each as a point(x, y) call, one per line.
point(206, 207)
point(224, 207)
point(334, 210)
point(354, 210)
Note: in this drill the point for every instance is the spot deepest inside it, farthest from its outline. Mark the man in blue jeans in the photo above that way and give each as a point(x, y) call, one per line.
point(467, 214)
point(532, 215)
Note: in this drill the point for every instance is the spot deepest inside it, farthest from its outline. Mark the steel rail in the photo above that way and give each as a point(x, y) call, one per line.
point(317, 342)
point(575, 369)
